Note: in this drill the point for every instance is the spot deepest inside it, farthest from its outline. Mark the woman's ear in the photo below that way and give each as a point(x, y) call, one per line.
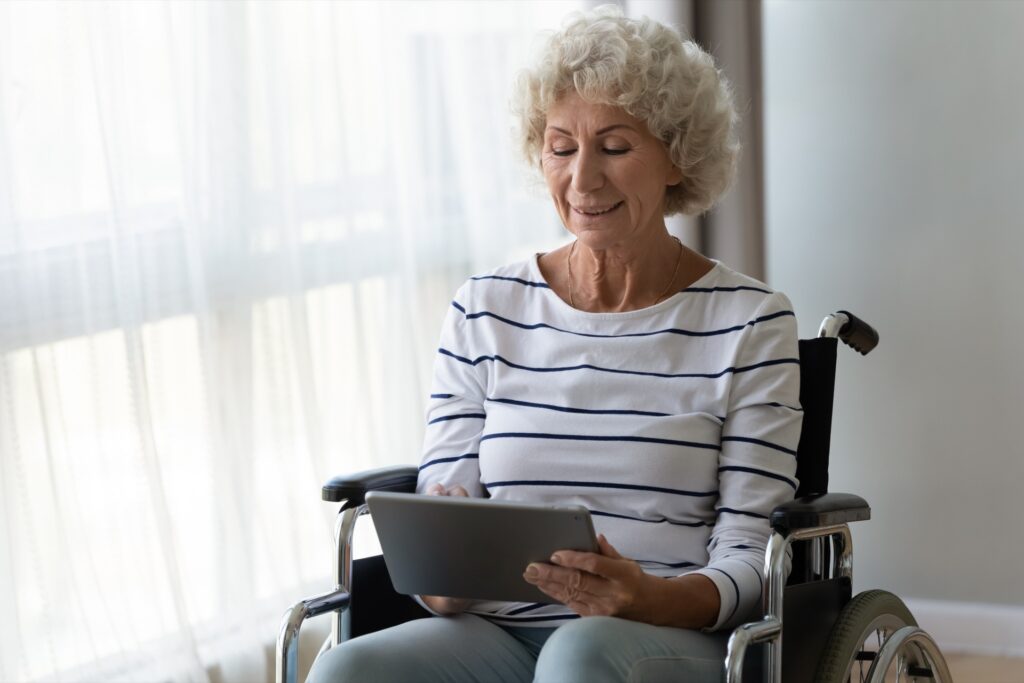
point(675, 176)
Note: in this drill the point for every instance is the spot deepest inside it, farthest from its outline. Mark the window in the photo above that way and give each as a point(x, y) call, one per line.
point(228, 234)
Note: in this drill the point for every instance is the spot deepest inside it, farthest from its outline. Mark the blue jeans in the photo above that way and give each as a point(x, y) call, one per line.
point(469, 648)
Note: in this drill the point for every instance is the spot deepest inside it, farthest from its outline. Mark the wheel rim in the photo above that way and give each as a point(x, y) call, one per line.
point(859, 666)
point(916, 656)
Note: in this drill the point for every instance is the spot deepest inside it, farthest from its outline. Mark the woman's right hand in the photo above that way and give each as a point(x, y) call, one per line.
point(440, 604)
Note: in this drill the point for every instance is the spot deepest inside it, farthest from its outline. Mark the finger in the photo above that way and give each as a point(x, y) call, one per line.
point(538, 571)
point(458, 491)
point(571, 581)
point(436, 490)
point(553, 590)
point(607, 548)
point(589, 562)
point(580, 602)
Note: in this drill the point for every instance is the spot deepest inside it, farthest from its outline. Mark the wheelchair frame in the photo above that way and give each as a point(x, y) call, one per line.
point(822, 520)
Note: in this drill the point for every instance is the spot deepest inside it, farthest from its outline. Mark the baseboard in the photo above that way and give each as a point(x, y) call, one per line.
point(971, 627)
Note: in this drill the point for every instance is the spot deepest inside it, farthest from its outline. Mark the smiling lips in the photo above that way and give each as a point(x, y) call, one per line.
point(593, 211)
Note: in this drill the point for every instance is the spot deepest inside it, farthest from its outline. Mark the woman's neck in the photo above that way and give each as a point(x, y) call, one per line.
point(622, 279)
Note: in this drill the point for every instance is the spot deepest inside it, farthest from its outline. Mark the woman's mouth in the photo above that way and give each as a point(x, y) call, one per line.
point(596, 210)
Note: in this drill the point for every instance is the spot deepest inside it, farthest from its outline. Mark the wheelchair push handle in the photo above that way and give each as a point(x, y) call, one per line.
point(853, 331)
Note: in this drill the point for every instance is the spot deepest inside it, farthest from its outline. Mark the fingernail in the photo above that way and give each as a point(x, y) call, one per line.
point(531, 571)
point(556, 558)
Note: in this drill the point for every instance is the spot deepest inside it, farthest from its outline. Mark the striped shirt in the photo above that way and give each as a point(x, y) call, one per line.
point(675, 425)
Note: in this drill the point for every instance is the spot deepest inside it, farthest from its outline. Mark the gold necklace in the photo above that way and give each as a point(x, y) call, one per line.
point(679, 259)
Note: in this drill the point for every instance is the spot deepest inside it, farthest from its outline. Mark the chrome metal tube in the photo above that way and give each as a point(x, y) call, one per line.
point(831, 325)
point(288, 637)
point(775, 578)
point(743, 637)
point(344, 528)
point(775, 573)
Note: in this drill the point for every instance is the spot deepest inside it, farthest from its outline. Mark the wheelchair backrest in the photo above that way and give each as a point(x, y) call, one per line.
point(817, 387)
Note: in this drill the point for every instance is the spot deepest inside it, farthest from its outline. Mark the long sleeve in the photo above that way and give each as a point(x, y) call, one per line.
point(455, 414)
point(757, 464)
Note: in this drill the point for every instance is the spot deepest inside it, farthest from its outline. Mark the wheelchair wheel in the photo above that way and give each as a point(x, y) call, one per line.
point(859, 633)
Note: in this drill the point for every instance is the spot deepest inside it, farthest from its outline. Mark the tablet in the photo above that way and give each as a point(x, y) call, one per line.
point(473, 547)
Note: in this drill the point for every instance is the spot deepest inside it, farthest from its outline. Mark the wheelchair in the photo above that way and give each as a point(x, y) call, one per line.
point(831, 635)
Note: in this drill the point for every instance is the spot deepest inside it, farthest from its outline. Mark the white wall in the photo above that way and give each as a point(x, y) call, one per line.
point(895, 180)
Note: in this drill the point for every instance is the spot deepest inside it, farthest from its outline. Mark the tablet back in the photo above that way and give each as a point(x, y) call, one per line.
point(472, 547)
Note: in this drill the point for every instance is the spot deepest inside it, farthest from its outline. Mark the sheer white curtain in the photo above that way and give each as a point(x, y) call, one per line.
point(228, 233)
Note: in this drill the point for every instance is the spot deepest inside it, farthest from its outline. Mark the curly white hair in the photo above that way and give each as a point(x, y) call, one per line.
point(648, 70)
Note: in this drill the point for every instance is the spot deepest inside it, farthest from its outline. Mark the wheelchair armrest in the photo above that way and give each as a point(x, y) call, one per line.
point(353, 487)
point(822, 509)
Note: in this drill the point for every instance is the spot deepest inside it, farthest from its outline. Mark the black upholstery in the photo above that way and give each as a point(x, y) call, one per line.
point(352, 488)
point(817, 388)
point(375, 605)
point(810, 609)
point(823, 509)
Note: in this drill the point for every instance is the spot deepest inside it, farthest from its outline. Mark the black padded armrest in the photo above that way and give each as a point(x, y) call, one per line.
point(353, 487)
point(823, 509)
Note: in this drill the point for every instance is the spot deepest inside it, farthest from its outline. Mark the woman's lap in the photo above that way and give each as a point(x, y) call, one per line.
point(459, 649)
point(469, 648)
point(607, 649)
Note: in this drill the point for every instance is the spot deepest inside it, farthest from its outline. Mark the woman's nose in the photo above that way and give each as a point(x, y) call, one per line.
point(587, 174)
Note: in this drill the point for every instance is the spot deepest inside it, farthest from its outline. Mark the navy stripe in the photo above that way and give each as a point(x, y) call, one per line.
point(736, 587)
point(668, 330)
point(742, 547)
point(586, 366)
point(598, 485)
point(438, 461)
point(759, 442)
point(588, 411)
point(671, 565)
point(599, 513)
point(459, 307)
point(442, 395)
point(456, 417)
point(762, 473)
point(742, 512)
point(499, 617)
point(757, 573)
point(584, 437)
point(528, 283)
point(739, 288)
point(783, 405)
point(528, 608)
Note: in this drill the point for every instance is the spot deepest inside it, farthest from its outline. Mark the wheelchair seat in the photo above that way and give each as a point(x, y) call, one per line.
point(831, 635)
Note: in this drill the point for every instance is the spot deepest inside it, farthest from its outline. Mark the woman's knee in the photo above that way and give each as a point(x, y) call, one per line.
point(583, 650)
point(353, 660)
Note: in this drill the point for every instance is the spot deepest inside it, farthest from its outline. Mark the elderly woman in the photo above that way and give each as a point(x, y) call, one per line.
point(622, 372)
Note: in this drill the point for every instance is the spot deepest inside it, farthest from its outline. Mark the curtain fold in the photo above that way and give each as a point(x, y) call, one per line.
point(732, 231)
point(228, 235)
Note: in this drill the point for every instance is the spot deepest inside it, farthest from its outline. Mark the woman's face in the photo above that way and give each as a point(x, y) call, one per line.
point(606, 172)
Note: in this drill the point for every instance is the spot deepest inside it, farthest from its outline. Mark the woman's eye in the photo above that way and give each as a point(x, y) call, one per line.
point(611, 151)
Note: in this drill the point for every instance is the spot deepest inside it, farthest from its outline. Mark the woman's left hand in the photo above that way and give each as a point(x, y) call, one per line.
point(606, 584)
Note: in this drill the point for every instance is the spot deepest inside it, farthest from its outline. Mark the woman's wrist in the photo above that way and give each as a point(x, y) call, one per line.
point(689, 601)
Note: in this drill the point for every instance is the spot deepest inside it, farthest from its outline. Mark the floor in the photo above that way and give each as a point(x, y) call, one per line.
point(980, 669)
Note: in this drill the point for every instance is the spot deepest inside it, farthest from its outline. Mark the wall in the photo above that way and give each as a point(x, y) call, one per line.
point(894, 146)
